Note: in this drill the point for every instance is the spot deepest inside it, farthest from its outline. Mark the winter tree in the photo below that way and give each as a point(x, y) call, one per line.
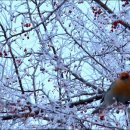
point(57, 58)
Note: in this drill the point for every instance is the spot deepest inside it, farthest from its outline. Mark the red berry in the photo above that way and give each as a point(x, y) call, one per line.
point(102, 117)
point(27, 25)
point(5, 53)
point(1, 54)
point(18, 61)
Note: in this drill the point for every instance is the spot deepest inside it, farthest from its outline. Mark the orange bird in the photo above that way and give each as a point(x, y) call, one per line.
point(119, 91)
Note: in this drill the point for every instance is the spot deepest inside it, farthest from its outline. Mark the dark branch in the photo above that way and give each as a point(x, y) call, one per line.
point(86, 101)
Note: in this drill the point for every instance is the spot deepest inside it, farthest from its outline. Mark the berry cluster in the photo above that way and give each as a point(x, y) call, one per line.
point(97, 11)
point(115, 24)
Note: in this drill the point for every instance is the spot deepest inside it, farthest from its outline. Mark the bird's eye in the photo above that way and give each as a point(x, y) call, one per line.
point(124, 75)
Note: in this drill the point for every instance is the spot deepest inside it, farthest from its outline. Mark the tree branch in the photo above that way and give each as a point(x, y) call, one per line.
point(36, 112)
point(104, 6)
point(13, 57)
point(85, 101)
